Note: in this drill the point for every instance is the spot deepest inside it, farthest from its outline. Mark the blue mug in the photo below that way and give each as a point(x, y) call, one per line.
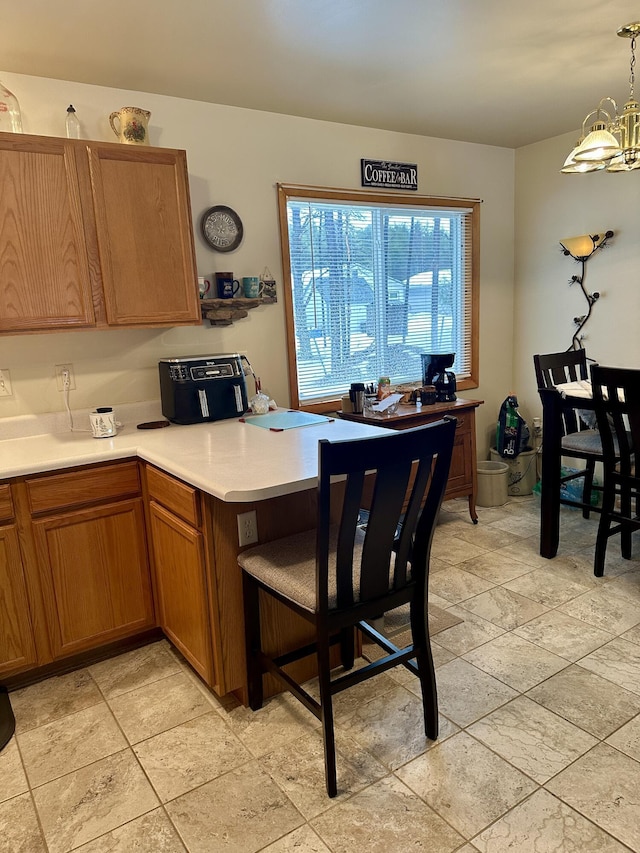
point(227, 287)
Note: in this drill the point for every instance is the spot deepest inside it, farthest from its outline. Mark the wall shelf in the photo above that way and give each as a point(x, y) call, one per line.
point(223, 312)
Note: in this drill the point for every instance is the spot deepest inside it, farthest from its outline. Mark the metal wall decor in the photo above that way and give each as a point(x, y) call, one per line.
point(581, 249)
point(221, 228)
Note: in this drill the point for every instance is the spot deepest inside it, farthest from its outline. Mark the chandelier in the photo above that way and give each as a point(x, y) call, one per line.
point(612, 141)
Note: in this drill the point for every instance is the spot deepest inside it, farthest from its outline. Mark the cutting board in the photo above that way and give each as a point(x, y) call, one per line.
point(278, 421)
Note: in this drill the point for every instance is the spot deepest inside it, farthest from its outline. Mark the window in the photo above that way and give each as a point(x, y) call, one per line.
point(372, 280)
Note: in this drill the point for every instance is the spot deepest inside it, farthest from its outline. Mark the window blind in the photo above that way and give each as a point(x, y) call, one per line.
point(372, 287)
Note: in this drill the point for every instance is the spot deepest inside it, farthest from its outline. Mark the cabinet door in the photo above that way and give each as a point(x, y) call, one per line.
point(145, 239)
point(17, 649)
point(181, 588)
point(44, 268)
point(95, 574)
point(460, 480)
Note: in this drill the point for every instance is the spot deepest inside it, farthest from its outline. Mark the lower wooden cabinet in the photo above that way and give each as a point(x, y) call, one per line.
point(186, 598)
point(181, 588)
point(17, 647)
point(74, 564)
point(95, 572)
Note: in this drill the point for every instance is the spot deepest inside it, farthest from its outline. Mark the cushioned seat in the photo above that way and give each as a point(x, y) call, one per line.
point(586, 442)
point(290, 563)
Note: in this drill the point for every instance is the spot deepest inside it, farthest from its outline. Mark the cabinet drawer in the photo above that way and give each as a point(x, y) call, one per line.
point(463, 422)
point(6, 503)
point(175, 495)
point(87, 486)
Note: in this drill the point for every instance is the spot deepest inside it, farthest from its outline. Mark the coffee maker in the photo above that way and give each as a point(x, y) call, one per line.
point(434, 372)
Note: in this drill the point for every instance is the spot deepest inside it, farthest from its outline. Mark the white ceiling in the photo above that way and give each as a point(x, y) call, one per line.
point(502, 72)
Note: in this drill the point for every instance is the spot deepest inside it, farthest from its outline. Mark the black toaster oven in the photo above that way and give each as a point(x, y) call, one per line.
point(199, 388)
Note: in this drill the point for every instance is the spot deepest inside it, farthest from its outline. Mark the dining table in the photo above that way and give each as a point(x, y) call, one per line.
point(555, 401)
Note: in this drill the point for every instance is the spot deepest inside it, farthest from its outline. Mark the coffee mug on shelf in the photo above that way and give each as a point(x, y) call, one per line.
point(103, 422)
point(204, 286)
point(227, 287)
point(252, 287)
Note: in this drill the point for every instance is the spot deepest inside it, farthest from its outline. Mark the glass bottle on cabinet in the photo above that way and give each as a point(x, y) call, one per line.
point(10, 118)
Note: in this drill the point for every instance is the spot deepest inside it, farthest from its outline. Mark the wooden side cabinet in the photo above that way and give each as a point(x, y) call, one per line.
point(185, 597)
point(88, 530)
point(463, 477)
point(17, 647)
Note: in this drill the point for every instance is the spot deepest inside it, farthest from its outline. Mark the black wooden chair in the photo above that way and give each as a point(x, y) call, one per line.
point(578, 441)
point(616, 395)
point(343, 573)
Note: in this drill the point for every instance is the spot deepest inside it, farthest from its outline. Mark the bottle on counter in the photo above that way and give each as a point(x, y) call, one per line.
point(10, 116)
point(72, 123)
point(384, 387)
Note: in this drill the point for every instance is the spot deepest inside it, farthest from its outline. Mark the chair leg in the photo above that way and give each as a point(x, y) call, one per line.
point(426, 669)
point(253, 646)
point(626, 529)
point(347, 648)
point(608, 500)
point(588, 487)
point(326, 701)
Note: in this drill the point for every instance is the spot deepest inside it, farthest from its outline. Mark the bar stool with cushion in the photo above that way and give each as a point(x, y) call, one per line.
point(578, 441)
point(343, 573)
point(616, 395)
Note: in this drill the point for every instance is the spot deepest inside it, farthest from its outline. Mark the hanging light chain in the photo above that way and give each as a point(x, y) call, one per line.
point(632, 75)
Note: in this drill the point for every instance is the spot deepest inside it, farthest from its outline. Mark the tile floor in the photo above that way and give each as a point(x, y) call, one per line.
point(540, 729)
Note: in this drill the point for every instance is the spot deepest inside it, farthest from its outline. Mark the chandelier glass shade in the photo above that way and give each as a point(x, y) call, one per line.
point(612, 140)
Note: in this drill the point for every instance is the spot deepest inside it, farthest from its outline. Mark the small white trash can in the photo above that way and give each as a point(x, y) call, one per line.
point(493, 483)
point(522, 471)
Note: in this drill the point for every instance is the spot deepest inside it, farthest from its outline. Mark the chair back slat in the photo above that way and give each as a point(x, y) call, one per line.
point(405, 543)
point(403, 509)
point(616, 395)
point(384, 515)
point(347, 535)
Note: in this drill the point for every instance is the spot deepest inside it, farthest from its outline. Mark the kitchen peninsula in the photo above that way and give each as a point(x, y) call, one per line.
point(103, 541)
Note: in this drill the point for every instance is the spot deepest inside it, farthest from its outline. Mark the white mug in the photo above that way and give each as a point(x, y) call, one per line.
point(103, 422)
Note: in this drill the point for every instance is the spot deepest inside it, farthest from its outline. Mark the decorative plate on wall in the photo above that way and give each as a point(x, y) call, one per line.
point(221, 228)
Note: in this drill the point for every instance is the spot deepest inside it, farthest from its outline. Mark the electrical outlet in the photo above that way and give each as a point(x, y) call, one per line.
point(65, 377)
point(5, 383)
point(247, 528)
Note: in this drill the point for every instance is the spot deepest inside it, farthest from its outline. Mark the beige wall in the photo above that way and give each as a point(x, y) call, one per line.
point(236, 157)
point(550, 206)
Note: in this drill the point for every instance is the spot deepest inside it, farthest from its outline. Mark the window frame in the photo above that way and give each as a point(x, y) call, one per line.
point(290, 191)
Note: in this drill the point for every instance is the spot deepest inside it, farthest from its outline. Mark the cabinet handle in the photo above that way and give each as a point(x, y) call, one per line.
point(204, 405)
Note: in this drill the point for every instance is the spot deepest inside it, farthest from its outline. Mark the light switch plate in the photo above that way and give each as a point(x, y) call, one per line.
point(5, 383)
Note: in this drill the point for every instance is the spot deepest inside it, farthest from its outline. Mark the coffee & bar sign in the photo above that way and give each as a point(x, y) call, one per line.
point(393, 176)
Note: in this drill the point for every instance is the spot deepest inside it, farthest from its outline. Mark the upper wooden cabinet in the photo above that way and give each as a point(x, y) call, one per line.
point(45, 280)
point(95, 235)
point(145, 239)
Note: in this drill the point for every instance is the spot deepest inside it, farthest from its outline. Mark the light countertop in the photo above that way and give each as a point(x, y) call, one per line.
point(228, 459)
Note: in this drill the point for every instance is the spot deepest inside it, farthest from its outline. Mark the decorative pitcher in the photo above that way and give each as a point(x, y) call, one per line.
point(133, 123)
